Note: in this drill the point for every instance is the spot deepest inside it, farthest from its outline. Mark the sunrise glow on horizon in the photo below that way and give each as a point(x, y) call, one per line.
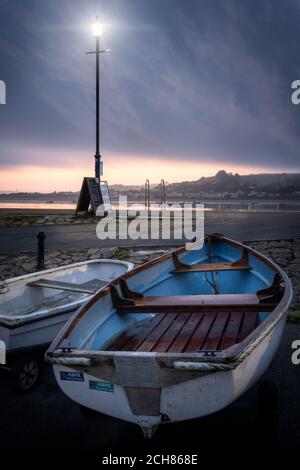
point(34, 178)
point(164, 112)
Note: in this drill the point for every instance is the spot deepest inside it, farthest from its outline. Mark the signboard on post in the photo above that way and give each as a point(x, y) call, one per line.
point(106, 196)
point(92, 195)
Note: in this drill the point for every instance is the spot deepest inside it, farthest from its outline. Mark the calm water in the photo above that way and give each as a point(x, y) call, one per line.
point(64, 205)
point(208, 205)
point(37, 205)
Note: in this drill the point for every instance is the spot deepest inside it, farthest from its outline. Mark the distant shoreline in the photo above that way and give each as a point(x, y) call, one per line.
point(41, 208)
point(30, 211)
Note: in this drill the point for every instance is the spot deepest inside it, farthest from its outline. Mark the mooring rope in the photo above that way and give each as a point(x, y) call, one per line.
point(3, 288)
point(205, 366)
point(70, 361)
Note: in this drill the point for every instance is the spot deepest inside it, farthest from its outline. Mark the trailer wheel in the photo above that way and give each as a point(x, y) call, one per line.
point(267, 414)
point(26, 373)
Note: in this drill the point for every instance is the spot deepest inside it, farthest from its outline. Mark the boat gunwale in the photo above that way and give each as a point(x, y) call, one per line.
point(16, 321)
point(230, 354)
point(65, 267)
point(11, 323)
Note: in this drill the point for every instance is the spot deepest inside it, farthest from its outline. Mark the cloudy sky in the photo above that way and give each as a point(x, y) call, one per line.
point(190, 87)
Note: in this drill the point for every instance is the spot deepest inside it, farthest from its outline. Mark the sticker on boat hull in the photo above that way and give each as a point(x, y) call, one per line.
point(101, 386)
point(71, 376)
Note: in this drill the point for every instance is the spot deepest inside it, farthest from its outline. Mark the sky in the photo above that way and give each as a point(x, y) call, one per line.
point(190, 87)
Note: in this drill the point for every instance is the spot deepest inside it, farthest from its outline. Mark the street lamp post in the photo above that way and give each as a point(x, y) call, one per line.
point(97, 33)
point(97, 154)
point(92, 194)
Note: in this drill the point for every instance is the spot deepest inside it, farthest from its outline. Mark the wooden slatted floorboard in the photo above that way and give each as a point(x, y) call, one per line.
point(187, 332)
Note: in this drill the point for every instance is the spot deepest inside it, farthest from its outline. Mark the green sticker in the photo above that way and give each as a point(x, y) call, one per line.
point(101, 386)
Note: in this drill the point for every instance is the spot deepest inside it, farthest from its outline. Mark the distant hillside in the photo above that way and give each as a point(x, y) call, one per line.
point(287, 183)
point(264, 179)
point(222, 185)
point(227, 185)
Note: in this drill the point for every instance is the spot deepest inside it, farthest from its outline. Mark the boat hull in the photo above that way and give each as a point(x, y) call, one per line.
point(200, 396)
point(36, 334)
point(175, 346)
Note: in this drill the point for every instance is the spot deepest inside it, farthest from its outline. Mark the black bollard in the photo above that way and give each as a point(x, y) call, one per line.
point(41, 251)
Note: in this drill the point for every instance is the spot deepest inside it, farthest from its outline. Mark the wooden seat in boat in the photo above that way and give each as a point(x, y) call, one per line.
point(136, 302)
point(89, 287)
point(241, 264)
point(130, 301)
point(187, 332)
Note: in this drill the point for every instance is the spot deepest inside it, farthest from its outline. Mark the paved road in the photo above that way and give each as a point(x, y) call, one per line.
point(47, 419)
point(237, 225)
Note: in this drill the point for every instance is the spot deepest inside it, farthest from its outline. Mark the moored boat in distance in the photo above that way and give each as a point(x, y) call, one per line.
point(179, 337)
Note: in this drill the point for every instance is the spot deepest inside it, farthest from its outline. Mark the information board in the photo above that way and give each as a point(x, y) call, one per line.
point(92, 195)
point(105, 196)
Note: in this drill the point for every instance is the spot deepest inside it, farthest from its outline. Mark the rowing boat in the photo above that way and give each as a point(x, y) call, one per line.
point(34, 307)
point(179, 337)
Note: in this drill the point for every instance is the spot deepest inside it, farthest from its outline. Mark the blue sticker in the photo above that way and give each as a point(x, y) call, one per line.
point(73, 376)
point(101, 386)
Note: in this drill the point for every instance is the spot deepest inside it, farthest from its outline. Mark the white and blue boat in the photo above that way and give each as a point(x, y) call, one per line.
point(35, 306)
point(179, 337)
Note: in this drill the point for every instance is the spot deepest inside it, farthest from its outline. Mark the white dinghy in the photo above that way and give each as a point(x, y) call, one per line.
point(180, 337)
point(34, 307)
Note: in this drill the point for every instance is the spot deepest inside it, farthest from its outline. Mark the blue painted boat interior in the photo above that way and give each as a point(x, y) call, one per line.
point(158, 280)
point(228, 282)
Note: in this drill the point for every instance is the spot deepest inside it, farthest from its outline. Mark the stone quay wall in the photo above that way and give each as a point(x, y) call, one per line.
point(286, 253)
